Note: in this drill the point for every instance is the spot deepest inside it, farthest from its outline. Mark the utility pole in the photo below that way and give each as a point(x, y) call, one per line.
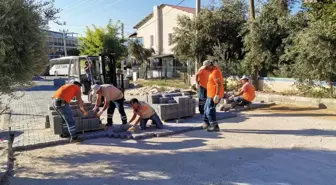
point(255, 71)
point(252, 14)
point(64, 42)
point(122, 31)
point(198, 9)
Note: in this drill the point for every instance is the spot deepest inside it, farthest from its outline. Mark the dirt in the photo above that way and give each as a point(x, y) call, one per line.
point(284, 109)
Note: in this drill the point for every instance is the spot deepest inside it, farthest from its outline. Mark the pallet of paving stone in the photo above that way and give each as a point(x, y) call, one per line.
point(101, 127)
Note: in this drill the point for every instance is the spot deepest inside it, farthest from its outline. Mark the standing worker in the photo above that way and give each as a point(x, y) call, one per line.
point(60, 102)
point(88, 71)
point(202, 80)
point(113, 98)
point(215, 91)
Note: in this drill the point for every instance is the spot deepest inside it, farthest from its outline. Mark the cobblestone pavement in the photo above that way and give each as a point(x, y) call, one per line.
point(28, 116)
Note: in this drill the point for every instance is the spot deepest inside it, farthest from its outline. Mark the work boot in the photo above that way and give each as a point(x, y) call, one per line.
point(213, 128)
point(76, 139)
point(205, 126)
point(65, 135)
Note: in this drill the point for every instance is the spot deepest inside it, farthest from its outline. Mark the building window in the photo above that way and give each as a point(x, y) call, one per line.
point(151, 40)
point(170, 39)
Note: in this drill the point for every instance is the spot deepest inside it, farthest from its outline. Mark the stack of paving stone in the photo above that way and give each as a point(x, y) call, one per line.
point(82, 123)
point(173, 105)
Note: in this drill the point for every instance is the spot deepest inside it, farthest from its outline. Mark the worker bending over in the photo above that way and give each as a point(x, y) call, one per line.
point(142, 112)
point(202, 80)
point(245, 95)
point(60, 102)
point(215, 91)
point(113, 98)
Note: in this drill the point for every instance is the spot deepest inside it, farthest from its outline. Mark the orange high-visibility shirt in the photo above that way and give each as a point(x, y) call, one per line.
point(203, 76)
point(215, 77)
point(249, 92)
point(67, 92)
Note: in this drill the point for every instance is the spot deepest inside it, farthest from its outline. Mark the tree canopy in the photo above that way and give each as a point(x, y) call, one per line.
point(277, 43)
point(22, 40)
point(103, 41)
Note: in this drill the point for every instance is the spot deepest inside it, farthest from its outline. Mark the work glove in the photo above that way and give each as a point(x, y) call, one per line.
point(100, 113)
point(84, 112)
point(216, 99)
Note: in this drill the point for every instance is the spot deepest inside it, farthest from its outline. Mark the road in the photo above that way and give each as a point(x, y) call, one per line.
point(265, 147)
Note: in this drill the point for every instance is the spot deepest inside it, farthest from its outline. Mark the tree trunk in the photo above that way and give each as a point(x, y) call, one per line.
point(255, 78)
point(331, 89)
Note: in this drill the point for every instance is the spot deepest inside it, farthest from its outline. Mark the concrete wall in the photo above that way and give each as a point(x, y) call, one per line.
point(282, 84)
point(297, 100)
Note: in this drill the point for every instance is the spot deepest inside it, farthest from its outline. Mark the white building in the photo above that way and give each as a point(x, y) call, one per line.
point(55, 42)
point(156, 31)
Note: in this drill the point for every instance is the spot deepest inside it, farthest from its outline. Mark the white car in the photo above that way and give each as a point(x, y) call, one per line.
point(59, 69)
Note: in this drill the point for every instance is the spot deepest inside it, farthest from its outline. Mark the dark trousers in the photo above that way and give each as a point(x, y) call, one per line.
point(64, 110)
point(155, 121)
point(239, 101)
point(202, 96)
point(119, 104)
point(210, 112)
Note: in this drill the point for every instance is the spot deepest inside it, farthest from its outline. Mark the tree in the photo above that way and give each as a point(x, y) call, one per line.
point(22, 41)
point(103, 40)
point(136, 50)
point(73, 52)
point(312, 49)
point(218, 34)
point(263, 39)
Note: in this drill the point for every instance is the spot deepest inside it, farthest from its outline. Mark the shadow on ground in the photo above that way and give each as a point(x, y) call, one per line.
point(304, 132)
point(167, 163)
point(42, 88)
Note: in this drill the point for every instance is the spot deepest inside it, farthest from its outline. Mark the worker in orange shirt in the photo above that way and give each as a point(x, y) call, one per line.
point(245, 95)
point(202, 80)
point(215, 91)
point(60, 102)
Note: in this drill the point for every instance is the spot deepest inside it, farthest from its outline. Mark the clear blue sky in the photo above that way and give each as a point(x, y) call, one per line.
point(81, 13)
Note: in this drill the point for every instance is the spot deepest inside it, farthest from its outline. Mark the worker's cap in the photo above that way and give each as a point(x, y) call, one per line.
point(95, 88)
point(207, 63)
point(245, 78)
point(75, 83)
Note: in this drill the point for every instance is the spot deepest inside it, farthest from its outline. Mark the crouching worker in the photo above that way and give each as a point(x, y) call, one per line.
point(142, 112)
point(245, 95)
point(60, 102)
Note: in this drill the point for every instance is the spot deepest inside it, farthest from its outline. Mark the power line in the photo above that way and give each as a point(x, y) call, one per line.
point(76, 5)
point(117, 1)
point(67, 6)
point(162, 15)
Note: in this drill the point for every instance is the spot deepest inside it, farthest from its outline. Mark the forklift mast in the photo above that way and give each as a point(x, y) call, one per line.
point(109, 72)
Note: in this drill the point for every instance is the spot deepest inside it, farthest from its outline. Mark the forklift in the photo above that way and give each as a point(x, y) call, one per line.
point(103, 71)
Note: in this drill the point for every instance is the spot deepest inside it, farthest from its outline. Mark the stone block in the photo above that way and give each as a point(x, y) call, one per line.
point(171, 94)
point(165, 100)
point(154, 98)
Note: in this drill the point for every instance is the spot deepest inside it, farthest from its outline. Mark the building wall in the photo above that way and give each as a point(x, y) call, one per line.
point(169, 22)
point(145, 32)
point(160, 26)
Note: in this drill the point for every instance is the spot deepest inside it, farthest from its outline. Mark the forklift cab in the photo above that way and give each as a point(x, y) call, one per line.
point(103, 71)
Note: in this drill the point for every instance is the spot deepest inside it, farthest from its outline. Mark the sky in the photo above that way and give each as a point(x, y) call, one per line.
point(81, 13)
